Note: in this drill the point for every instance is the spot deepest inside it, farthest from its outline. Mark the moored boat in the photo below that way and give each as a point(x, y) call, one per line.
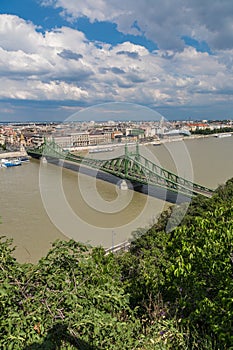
point(24, 159)
point(99, 150)
point(219, 136)
point(7, 163)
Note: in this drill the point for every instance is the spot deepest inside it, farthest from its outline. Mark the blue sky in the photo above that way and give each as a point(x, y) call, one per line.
point(58, 57)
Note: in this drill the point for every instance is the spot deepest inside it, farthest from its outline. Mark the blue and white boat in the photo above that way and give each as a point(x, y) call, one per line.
point(7, 163)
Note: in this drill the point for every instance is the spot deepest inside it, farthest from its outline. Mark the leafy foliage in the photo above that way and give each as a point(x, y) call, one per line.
point(186, 274)
point(172, 290)
point(75, 290)
point(199, 279)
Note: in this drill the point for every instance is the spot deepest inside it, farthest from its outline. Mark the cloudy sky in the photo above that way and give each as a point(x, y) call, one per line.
point(61, 56)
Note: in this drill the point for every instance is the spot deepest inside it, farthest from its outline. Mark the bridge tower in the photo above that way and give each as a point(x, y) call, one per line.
point(126, 159)
point(137, 156)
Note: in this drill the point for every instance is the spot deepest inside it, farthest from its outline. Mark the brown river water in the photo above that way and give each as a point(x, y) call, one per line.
point(44, 202)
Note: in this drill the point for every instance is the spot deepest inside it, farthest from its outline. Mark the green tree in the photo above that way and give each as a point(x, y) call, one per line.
point(199, 280)
point(75, 290)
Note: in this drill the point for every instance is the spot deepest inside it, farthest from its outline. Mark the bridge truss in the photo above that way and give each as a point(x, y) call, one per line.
point(130, 166)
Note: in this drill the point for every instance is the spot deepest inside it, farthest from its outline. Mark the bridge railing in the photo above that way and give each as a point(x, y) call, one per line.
point(124, 246)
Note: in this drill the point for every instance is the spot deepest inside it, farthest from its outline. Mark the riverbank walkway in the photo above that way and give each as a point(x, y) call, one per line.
point(16, 154)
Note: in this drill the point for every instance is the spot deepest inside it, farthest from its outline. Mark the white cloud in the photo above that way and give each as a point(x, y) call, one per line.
point(38, 90)
point(23, 64)
point(17, 34)
point(57, 90)
point(162, 21)
point(62, 65)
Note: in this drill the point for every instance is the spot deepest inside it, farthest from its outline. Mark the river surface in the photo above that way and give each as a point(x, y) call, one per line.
point(43, 202)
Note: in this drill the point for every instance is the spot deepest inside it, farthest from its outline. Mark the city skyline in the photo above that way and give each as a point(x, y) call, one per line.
point(60, 57)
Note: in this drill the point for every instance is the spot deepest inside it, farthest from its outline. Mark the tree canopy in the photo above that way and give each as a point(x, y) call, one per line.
point(172, 290)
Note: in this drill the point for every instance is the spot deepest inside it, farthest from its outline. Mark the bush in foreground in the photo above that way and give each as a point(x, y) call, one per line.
point(172, 290)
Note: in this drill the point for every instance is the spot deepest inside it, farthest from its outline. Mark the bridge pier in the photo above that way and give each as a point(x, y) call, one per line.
point(43, 160)
point(123, 185)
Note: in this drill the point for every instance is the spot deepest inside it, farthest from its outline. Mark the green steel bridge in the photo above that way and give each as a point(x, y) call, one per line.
point(130, 166)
